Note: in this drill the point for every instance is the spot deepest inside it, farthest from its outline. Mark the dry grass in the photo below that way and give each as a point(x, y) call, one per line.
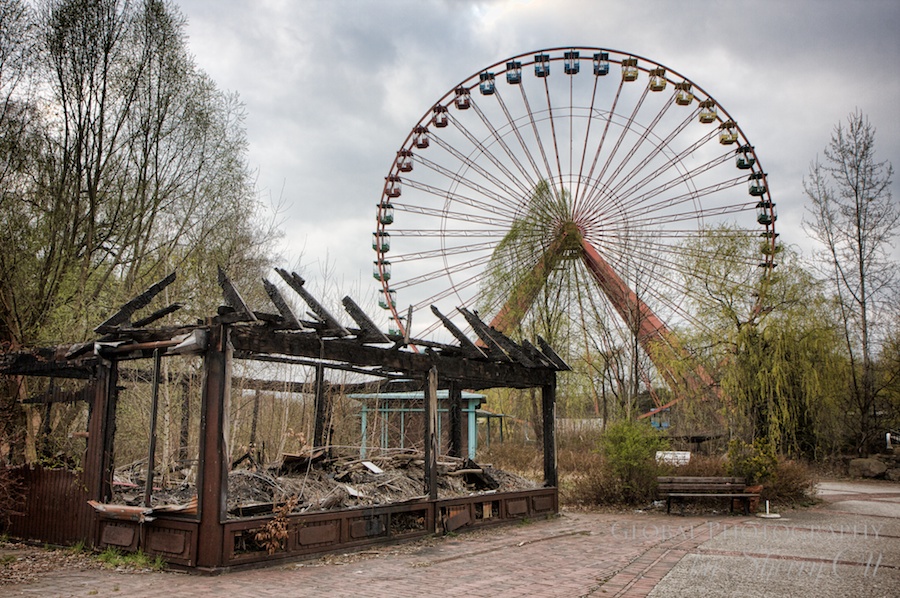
point(585, 478)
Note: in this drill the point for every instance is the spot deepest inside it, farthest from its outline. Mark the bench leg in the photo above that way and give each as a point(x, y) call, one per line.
point(668, 504)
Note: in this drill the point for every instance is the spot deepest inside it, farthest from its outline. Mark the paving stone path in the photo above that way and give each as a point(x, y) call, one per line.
point(849, 544)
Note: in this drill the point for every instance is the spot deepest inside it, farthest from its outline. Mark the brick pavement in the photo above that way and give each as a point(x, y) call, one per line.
point(577, 554)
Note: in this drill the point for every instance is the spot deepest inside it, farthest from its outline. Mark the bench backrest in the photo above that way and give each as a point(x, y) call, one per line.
point(669, 484)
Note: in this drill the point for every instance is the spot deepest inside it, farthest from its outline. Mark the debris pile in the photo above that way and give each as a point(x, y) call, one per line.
point(324, 482)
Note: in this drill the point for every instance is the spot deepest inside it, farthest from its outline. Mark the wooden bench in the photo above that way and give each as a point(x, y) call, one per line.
point(681, 487)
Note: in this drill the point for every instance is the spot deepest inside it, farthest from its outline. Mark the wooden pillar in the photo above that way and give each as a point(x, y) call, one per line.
point(548, 409)
point(454, 396)
point(184, 436)
point(98, 459)
point(213, 480)
point(154, 408)
point(431, 444)
point(323, 410)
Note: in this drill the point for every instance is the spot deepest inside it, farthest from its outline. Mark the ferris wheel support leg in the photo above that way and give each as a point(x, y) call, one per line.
point(660, 344)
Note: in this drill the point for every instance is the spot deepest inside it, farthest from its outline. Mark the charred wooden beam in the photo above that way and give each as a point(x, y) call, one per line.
point(58, 396)
point(290, 320)
point(495, 350)
point(233, 298)
point(296, 282)
point(548, 351)
point(46, 362)
point(157, 315)
point(536, 354)
point(468, 348)
point(470, 373)
point(126, 311)
point(368, 328)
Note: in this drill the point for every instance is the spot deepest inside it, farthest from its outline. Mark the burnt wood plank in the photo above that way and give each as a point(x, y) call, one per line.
point(473, 374)
point(157, 315)
point(233, 298)
point(468, 348)
point(290, 320)
point(296, 282)
point(126, 311)
point(368, 328)
point(495, 351)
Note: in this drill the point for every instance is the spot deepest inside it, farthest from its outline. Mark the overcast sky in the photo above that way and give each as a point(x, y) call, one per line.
point(332, 88)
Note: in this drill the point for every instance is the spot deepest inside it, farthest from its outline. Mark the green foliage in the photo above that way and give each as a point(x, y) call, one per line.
point(757, 462)
point(114, 558)
point(628, 449)
point(128, 164)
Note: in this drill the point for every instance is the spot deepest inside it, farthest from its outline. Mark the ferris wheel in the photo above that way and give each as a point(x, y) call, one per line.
point(584, 184)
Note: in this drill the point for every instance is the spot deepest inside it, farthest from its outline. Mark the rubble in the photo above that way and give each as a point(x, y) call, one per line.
point(325, 483)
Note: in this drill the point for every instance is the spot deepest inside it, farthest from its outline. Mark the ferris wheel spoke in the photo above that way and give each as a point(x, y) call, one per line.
point(644, 214)
point(440, 253)
point(537, 136)
point(502, 219)
point(623, 133)
point(461, 233)
point(628, 198)
point(518, 134)
point(600, 146)
point(529, 183)
point(660, 147)
point(467, 183)
point(559, 171)
point(645, 133)
point(639, 209)
point(481, 150)
point(440, 273)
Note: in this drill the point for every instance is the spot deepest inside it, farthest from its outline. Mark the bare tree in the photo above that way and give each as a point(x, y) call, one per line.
point(854, 216)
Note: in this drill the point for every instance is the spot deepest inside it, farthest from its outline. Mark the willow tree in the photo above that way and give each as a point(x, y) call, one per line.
point(768, 338)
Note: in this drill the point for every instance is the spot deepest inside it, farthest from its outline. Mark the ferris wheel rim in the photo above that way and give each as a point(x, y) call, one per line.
point(526, 59)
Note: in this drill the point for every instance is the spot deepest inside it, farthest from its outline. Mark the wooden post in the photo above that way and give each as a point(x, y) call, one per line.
point(323, 412)
point(454, 396)
point(548, 409)
point(431, 444)
point(154, 408)
point(213, 479)
point(255, 421)
point(98, 463)
point(184, 437)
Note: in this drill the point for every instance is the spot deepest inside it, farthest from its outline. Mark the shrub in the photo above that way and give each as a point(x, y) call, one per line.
point(626, 470)
point(792, 483)
point(756, 462)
